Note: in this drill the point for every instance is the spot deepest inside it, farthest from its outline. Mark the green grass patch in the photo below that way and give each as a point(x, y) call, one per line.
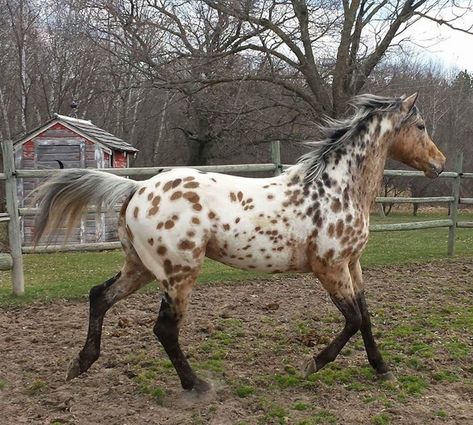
point(300, 406)
point(277, 413)
point(458, 350)
point(381, 419)
point(36, 387)
point(3, 384)
point(334, 373)
point(323, 417)
point(445, 376)
point(414, 245)
point(243, 391)
point(146, 380)
point(413, 385)
point(214, 365)
point(286, 381)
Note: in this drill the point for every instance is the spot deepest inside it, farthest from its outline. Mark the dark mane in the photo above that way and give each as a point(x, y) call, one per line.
point(338, 132)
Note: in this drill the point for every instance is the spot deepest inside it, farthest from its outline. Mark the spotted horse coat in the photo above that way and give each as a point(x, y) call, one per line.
point(312, 218)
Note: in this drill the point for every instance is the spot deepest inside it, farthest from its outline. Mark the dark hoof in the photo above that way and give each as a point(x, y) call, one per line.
point(386, 376)
point(74, 369)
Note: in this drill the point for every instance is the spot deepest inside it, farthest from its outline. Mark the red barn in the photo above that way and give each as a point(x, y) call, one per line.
point(70, 143)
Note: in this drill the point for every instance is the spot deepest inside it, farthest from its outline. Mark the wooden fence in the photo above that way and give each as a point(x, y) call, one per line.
point(14, 260)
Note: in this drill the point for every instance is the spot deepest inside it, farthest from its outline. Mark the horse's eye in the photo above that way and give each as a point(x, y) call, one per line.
point(421, 127)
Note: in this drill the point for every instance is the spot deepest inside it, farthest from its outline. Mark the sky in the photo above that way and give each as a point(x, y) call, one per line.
point(449, 47)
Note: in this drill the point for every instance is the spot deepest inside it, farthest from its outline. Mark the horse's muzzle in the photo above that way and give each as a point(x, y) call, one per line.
point(434, 171)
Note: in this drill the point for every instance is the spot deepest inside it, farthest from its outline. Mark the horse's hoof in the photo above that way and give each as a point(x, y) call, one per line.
point(310, 368)
point(74, 369)
point(202, 386)
point(386, 376)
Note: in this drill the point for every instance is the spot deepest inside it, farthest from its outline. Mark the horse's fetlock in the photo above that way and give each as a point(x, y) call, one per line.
point(87, 357)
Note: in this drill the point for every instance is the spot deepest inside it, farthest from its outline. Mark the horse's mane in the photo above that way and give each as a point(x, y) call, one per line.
point(337, 132)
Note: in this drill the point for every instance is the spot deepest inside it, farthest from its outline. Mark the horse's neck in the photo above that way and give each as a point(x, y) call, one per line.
point(369, 175)
point(368, 182)
point(366, 159)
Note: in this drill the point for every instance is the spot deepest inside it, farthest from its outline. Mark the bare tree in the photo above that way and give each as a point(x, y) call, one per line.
point(22, 17)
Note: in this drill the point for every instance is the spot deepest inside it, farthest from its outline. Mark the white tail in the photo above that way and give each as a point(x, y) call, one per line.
point(65, 196)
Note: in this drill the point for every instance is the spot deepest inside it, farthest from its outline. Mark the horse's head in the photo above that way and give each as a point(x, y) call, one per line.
point(411, 143)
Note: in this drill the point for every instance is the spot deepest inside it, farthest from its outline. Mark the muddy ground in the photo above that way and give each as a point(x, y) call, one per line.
point(251, 340)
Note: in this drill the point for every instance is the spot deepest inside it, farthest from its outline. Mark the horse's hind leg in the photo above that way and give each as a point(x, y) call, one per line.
point(337, 281)
point(173, 307)
point(374, 355)
point(132, 277)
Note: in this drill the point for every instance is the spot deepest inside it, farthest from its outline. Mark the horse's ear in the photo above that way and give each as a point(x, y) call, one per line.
point(408, 103)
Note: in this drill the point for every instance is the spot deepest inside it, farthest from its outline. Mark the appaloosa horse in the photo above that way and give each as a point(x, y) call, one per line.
point(312, 218)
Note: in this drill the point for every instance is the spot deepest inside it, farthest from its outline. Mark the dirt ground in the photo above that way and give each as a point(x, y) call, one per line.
point(251, 340)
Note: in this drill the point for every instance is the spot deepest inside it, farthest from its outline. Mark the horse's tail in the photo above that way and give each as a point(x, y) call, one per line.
point(64, 197)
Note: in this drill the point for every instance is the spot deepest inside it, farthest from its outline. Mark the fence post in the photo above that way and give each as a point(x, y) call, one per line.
point(452, 234)
point(381, 210)
point(276, 156)
point(14, 235)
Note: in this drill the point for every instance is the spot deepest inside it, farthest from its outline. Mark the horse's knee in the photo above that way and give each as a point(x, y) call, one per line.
point(355, 321)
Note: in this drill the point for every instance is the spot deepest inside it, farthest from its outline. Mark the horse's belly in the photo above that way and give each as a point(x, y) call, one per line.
point(259, 256)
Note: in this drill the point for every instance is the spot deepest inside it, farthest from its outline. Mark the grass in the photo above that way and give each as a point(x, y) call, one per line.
point(381, 419)
point(243, 391)
point(71, 275)
point(36, 386)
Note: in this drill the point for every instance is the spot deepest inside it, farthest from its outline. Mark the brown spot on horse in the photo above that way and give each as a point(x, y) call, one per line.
point(161, 250)
point(192, 197)
point(186, 244)
point(176, 195)
point(336, 205)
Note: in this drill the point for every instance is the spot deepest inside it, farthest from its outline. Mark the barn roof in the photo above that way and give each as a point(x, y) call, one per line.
point(87, 129)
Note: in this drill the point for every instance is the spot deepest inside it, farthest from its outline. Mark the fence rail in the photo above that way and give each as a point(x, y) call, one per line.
point(151, 171)
point(276, 167)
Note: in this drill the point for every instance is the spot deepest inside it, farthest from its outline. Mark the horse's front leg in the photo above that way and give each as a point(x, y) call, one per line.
point(374, 356)
point(337, 281)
